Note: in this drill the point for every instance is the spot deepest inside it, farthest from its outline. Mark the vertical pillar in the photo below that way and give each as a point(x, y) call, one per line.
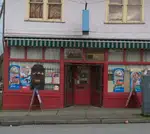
point(105, 77)
point(5, 73)
point(62, 77)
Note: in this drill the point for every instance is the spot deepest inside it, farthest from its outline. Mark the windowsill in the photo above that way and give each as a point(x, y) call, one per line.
point(124, 22)
point(41, 20)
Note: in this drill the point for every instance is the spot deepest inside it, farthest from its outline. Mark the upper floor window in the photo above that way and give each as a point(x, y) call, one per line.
point(54, 9)
point(45, 10)
point(36, 9)
point(125, 11)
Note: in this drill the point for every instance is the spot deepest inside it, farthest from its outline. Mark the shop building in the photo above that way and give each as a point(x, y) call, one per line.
point(94, 69)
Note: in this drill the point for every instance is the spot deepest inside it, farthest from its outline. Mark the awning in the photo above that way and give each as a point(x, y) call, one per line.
point(79, 43)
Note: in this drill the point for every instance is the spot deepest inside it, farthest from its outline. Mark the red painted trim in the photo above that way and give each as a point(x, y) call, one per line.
point(129, 63)
point(142, 55)
point(6, 65)
point(124, 55)
point(9, 52)
point(62, 75)
point(84, 62)
point(105, 79)
point(33, 60)
point(106, 54)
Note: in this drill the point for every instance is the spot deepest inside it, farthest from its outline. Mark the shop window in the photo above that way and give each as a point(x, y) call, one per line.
point(115, 55)
point(52, 54)
point(73, 54)
point(82, 75)
point(146, 57)
point(122, 78)
point(17, 52)
point(20, 75)
point(34, 53)
point(95, 54)
point(133, 55)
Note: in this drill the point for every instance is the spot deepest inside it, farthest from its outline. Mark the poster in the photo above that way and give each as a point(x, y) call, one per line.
point(135, 81)
point(25, 77)
point(48, 76)
point(14, 77)
point(56, 78)
point(118, 80)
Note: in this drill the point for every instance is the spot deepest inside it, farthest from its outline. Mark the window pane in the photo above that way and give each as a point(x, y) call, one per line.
point(121, 78)
point(115, 55)
point(83, 75)
point(52, 54)
point(113, 78)
point(52, 75)
point(54, 11)
point(134, 2)
point(17, 52)
point(146, 56)
point(115, 13)
point(133, 55)
point(36, 8)
point(134, 13)
point(95, 54)
point(115, 1)
point(34, 53)
point(73, 54)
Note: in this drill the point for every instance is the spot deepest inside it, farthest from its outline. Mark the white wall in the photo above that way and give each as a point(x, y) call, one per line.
point(16, 25)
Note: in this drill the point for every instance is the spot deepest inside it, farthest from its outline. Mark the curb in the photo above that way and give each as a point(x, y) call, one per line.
point(77, 121)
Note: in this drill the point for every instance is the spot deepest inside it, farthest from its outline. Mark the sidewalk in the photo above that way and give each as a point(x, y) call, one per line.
point(72, 115)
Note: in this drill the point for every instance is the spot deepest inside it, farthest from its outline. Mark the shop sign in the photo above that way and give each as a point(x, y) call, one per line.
point(118, 79)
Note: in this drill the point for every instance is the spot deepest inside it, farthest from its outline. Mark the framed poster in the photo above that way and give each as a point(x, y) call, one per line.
point(25, 77)
point(135, 81)
point(14, 77)
point(118, 80)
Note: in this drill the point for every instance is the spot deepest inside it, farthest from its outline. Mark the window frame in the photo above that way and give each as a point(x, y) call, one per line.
point(43, 60)
point(124, 13)
point(45, 13)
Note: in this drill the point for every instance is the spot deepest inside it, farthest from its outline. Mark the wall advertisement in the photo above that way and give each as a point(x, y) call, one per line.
point(118, 79)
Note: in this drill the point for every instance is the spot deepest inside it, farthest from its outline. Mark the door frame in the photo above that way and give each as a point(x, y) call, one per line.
point(101, 66)
point(65, 89)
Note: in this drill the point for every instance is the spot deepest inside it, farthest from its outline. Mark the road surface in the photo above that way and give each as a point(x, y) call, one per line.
point(79, 129)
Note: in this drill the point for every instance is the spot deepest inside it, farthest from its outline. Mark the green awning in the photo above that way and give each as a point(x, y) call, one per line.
point(78, 43)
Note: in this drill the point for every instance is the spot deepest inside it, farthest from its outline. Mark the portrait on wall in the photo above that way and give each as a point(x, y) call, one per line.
point(118, 80)
point(14, 77)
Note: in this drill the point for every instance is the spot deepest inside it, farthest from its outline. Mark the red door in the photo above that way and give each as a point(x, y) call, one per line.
point(68, 85)
point(97, 85)
point(82, 85)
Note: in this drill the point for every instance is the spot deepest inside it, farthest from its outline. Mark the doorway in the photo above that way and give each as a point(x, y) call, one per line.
point(83, 84)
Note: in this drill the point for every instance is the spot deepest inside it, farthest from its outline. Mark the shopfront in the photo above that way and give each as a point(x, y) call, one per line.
point(76, 72)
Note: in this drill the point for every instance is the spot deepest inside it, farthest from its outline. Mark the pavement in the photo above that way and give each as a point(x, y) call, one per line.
point(72, 115)
point(78, 129)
